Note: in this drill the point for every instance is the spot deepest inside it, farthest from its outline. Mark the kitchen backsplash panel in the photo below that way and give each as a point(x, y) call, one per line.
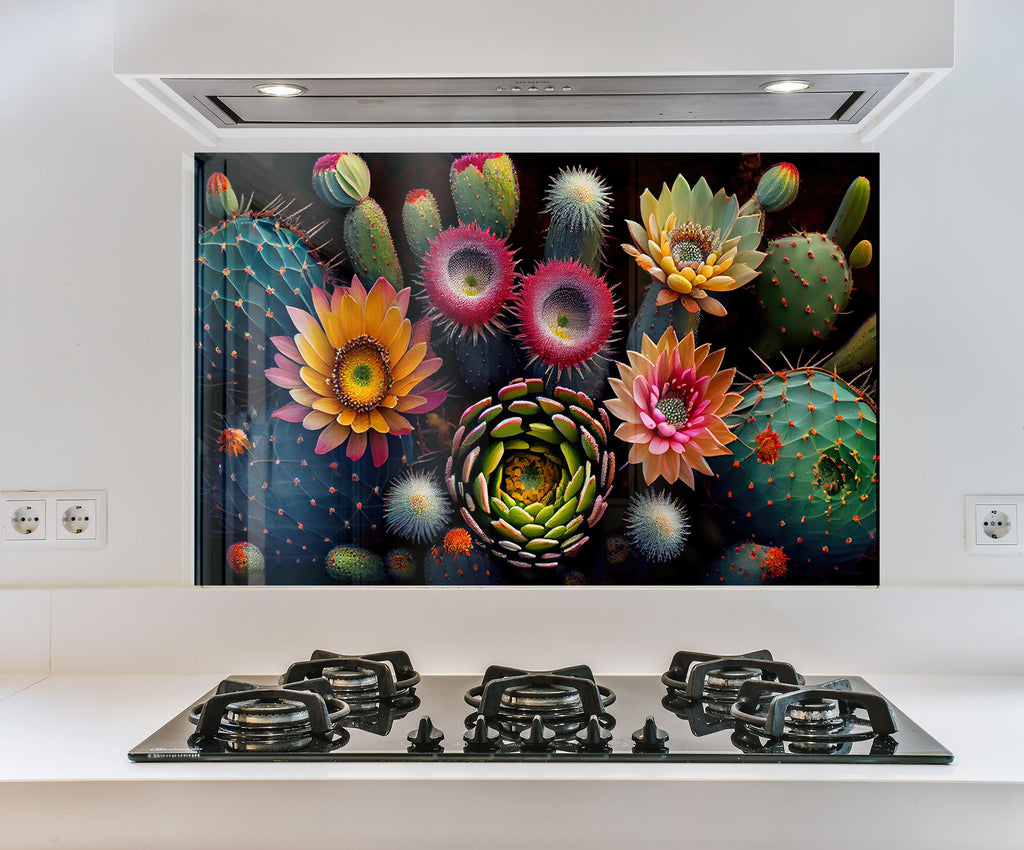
point(535, 369)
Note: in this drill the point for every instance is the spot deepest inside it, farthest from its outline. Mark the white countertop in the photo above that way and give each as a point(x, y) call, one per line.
point(64, 740)
point(102, 717)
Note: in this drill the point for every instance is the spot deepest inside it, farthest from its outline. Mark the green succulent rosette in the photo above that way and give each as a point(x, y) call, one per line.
point(531, 473)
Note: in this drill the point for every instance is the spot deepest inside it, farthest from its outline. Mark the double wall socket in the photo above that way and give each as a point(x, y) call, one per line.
point(54, 519)
point(992, 525)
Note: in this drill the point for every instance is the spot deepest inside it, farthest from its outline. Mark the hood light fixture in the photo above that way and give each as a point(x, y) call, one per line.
point(786, 86)
point(280, 89)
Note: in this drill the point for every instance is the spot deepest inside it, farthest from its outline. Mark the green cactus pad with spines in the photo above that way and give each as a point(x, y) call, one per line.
point(859, 352)
point(370, 246)
point(804, 285)
point(807, 479)
point(851, 213)
point(485, 189)
point(421, 221)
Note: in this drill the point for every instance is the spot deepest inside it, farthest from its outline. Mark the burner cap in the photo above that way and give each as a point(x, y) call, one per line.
point(266, 714)
point(346, 681)
point(548, 701)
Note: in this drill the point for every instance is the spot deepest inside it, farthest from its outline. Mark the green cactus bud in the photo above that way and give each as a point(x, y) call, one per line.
point(778, 187)
point(221, 201)
point(486, 191)
point(850, 213)
point(860, 256)
point(341, 180)
point(370, 246)
point(421, 221)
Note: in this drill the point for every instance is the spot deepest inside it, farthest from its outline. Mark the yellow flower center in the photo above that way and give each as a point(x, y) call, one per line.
point(531, 479)
point(362, 374)
point(691, 244)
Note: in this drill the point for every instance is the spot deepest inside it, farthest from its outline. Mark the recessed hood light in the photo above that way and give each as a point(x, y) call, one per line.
point(280, 90)
point(786, 86)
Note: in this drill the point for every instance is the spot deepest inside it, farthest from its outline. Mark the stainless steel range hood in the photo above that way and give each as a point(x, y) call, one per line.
point(454, 67)
point(539, 101)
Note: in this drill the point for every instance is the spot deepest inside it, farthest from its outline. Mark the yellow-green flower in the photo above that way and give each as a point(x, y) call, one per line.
point(693, 242)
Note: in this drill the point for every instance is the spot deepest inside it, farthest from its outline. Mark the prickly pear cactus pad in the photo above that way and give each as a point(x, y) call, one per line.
point(489, 368)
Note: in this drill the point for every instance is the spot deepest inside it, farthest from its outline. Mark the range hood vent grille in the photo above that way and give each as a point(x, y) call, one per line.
point(837, 99)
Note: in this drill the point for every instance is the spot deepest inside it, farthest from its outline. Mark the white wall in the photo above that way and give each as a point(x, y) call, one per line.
point(93, 324)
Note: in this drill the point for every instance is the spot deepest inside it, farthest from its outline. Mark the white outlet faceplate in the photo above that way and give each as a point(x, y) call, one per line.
point(54, 519)
point(992, 525)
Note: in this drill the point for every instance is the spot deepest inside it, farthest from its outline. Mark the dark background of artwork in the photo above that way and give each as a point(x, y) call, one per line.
point(275, 178)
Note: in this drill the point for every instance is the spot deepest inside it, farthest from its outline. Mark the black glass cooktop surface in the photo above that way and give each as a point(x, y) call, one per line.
point(623, 718)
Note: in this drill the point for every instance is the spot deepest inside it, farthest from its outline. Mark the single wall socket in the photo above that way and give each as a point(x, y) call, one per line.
point(991, 525)
point(76, 519)
point(25, 519)
point(54, 519)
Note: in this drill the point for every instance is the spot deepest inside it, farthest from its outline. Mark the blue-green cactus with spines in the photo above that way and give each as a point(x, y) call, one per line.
point(747, 563)
point(803, 473)
point(653, 319)
point(253, 266)
point(293, 503)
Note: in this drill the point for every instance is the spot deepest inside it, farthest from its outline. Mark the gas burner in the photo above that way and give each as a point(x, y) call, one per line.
point(243, 717)
point(563, 699)
point(366, 682)
point(814, 720)
point(717, 679)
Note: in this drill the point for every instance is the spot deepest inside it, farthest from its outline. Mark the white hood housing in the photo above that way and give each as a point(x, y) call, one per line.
point(530, 64)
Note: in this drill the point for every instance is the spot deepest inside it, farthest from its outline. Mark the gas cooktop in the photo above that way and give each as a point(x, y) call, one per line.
point(704, 708)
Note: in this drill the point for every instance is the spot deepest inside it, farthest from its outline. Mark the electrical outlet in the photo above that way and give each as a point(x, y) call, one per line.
point(54, 519)
point(24, 520)
point(991, 525)
point(76, 519)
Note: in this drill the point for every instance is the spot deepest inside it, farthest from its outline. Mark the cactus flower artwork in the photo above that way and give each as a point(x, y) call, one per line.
point(554, 369)
point(356, 369)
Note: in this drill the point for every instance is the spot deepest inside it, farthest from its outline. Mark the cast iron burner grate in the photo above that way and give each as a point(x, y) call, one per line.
point(243, 717)
point(815, 719)
point(515, 701)
point(374, 677)
point(379, 687)
point(718, 678)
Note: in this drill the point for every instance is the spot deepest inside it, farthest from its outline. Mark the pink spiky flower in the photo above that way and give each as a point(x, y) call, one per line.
point(468, 275)
point(566, 315)
point(671, 399)
point(356, 368)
